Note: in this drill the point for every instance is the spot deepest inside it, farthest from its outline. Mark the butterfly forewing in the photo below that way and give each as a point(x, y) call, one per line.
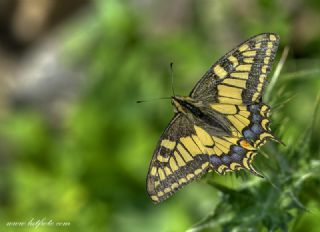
point(239, 77)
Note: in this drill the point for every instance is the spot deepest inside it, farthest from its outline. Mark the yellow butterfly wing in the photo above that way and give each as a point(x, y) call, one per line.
point(178, 159)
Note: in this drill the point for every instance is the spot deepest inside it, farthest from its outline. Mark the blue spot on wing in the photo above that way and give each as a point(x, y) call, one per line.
point(236, 157)
point(226, 159)
point(249, 135)
point(256, 118)
point(239, 150)
point(215, 161)
point(256, 128)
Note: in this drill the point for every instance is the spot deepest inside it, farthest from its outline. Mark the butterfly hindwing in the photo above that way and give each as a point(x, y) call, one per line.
point(248, 121)
point(250, 129)
point(239, 77)
point(178, 159)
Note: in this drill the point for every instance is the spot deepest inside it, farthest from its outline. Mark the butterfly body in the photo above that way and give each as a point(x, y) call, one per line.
point(197, 112)
point(222, 122)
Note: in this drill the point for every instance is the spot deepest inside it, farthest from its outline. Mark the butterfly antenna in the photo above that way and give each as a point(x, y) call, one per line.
point(153, 99)
point(171, 69)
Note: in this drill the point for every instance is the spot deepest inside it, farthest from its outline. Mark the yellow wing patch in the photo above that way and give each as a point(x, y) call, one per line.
point(220, 71)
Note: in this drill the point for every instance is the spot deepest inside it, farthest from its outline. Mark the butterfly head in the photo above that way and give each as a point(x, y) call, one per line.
point(184, 105)
point(176, 101)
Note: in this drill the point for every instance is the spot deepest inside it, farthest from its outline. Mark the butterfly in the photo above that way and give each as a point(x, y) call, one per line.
point(222, 122)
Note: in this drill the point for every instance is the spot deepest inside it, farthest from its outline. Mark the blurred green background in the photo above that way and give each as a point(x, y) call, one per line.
point(75, 147)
